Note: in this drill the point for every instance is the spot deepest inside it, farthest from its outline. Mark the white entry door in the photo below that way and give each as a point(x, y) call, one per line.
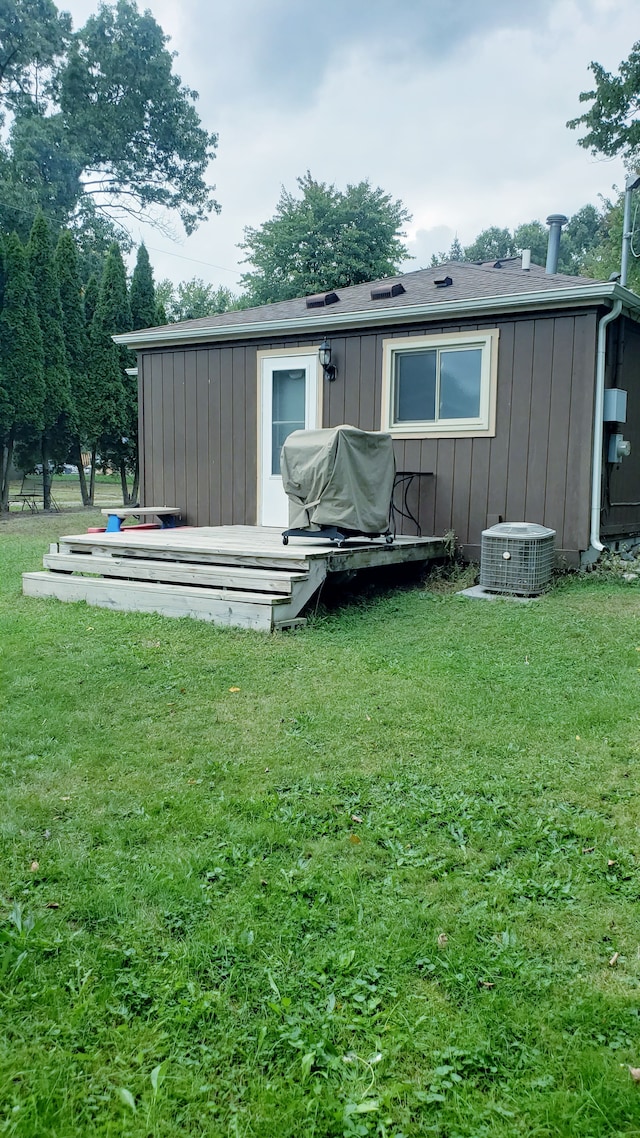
point(288, 402)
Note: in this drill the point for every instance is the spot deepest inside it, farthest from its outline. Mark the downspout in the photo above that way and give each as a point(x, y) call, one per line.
point(598, 429)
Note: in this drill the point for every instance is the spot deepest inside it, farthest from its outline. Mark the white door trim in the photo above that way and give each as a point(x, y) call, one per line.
point(313, 404)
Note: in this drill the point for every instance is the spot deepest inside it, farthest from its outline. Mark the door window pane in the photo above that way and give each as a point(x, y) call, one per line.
point(460, 378)
point(415, 387)
point(287, 408)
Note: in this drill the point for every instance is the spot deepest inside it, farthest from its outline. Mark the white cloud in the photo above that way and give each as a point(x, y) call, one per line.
point(471, 136)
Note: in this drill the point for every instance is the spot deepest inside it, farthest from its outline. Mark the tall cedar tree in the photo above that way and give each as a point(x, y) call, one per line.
point(142, 295)
point(5, 405)
point(91, 293)
point(144, 314)
point(76, 344)
point(21, 357)
point(58, 404)
point(107, 362)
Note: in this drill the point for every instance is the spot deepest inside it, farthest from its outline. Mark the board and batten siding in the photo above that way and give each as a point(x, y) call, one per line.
point(621, 482)
point(198, 428)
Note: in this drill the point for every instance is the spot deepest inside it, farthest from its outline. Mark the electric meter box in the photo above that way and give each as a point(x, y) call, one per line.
point(615, 405)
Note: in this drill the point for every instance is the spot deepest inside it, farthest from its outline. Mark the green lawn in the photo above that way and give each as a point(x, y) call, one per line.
point(374, 891)
point(66, 491)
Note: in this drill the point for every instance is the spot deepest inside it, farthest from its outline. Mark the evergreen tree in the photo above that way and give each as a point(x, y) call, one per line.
point(21, 358)
point(144, 314)
point(5, 405)
point(2, 272)
point(142, 294)
point(91, 294)
point(76, 344)
point(160, 317)
point(112, 388)
point(58, 404)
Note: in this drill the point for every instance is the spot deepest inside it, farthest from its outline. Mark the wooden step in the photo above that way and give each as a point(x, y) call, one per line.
point(262, 580)
point(240, 609)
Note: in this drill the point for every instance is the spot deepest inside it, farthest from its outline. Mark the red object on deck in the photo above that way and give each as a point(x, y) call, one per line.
point(125, 529)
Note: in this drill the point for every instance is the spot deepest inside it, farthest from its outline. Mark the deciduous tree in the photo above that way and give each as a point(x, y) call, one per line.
point(490, 245)
point(98, 114)
point(327, 238)
point(194, 299)
point(613, 121)
point(33, 37)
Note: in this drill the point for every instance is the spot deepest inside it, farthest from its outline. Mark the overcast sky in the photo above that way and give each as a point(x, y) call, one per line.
point(457, 107)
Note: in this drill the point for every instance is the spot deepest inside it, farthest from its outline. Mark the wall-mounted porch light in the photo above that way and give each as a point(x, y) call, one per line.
point(324, 355)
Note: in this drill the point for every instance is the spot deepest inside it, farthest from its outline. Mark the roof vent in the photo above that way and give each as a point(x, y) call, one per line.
point(497, 264)
point(387, 290)
point(444, 282)
point(321, 299)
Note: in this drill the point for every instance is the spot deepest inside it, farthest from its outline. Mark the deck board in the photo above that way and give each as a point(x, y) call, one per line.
point(258, 541)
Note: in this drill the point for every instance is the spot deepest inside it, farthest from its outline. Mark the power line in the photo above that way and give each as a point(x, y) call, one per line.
point(165, 252)
point(182, 257)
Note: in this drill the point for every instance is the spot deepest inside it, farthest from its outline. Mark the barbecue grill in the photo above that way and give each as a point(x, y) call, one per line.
point(339, 482)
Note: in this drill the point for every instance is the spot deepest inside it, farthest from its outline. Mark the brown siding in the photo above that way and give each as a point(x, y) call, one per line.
point(621, 483)
point(198, 424)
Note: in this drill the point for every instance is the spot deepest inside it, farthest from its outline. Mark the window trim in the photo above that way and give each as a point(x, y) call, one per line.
point(482, 427)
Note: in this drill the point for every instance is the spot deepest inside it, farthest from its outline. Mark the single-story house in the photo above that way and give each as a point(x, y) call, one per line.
point(494, 380)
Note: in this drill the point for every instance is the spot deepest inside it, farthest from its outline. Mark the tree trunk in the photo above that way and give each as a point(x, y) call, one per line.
point(92, 482)
point(7, 456)
point(126, 500)
point(83, 481)
point(46, 475)
point(136, 483)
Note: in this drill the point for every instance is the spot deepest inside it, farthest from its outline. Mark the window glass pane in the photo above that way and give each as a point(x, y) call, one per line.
point(415, 387)
point(460, 379)
point(287, 408)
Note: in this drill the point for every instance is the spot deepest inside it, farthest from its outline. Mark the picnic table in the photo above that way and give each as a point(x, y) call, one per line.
point(169, 516)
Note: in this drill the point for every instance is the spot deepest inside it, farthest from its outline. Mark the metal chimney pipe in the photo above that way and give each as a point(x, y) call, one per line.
point(555, 221)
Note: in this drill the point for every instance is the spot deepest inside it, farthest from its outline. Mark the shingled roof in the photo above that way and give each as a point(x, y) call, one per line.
point(458, 284)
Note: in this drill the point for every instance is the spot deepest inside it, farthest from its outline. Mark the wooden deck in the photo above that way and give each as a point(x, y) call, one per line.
point(230, 575)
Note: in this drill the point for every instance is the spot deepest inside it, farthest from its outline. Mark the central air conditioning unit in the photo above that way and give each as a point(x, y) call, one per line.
point(516, 558)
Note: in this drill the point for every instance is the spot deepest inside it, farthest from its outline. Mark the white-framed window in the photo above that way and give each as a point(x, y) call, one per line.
point(440, 385)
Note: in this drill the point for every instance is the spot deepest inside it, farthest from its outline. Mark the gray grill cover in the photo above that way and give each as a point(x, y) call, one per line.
point(338, 477)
